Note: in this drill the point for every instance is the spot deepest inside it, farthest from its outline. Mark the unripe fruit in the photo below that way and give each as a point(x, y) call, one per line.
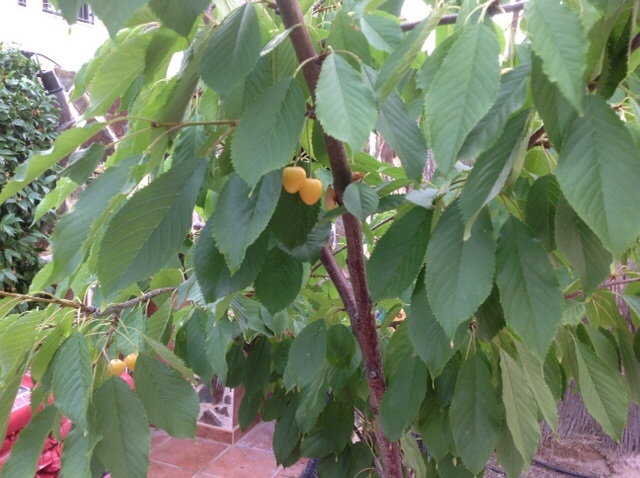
point(311, 191)
point(293, 178)
point(115, 367)
point(130, 361)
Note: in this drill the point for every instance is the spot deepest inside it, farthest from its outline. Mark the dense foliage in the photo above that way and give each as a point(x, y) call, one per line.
point(503, 260)
point(28, 120)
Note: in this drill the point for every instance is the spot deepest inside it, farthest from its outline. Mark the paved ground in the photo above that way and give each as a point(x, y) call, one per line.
point(251, 456)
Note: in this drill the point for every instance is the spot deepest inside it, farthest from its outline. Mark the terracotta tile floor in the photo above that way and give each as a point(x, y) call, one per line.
point(249, 457)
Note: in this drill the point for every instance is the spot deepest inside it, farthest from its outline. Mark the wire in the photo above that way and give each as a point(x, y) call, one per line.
point(560, 469)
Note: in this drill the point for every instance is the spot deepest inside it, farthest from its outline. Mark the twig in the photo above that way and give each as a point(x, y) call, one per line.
point(116, 309)
point(87, 309)
point(630, 280)
point(604, 285)
point(54, 300)
point(342, 248)
point(340, 281)
point(453, 18)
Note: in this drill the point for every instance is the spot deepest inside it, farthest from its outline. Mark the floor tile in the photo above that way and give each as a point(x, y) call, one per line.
point(261, 436)
point(293, 471)
point(158, 437)
point(163, 470)
point(188, 453)
point(243, 462)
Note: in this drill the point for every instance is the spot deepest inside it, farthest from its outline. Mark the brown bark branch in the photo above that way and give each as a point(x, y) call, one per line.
point(451, 19)
point(362, 317)
point(345, 291)
point(116, 309)
point(87, 309)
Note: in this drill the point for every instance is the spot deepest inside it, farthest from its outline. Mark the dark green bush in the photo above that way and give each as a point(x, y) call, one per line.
point(28, 120)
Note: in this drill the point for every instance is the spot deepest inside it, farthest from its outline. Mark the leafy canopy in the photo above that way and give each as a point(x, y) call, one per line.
point(512, 198)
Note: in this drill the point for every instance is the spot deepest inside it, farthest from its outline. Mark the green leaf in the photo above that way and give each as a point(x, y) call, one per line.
point(507, 454)
point(279, 281)
point(429, 69)
point(511, 96)
point(435, 427)
point(69, 9)
point(459, 273)
point(316, 240)
point(491, 170)
point(360, 200)
point(268, 131)
point(196, 330)
point(52, 201)
point(306, 355)
point(406, 389)
point(540, 211)
point(117, 73)
point(341, 346)
point(241, 215)
point(462, 92)
point(554, 109)
point(72, 379)
point(83, 163)
point(76, 453)
point(218, 342)
point(276, 41)
point(214, 277)
point(46, 351)
point(382, 31)
point(178, 16)
point(38, 163)
point(115, 13)
point(429, 339)
point(257, 368)
point(126, 438)
point(23, 459)
point(293, 221)
point(233, 50)
point(558, 38)
point(603, 391)
point(345, 105)
point(72, 235)
point(335, 432)
point(581, 247)
point(475, 414)
point(287, 434)
point(529, 290)
point(169, 399)
point(399, 254)
point(597, 161)
point(169, 358)
point(534, 377)
point(346, 36)
point(399, 62)
point(403, 134)
point(8, 394)
point(16, 341)
point(520, 407)
point(150, 227)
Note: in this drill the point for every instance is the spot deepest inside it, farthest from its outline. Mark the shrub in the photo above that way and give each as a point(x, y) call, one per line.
point(28, 120)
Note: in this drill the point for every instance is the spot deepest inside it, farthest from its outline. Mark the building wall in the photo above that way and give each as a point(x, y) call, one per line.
point(30, 28)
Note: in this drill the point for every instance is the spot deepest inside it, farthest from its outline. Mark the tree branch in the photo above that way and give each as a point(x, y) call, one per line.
point(495, 9)
point(340, 281)
point(53, 300)
point(87, 309)
point(118, 308)
point(362, 317)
